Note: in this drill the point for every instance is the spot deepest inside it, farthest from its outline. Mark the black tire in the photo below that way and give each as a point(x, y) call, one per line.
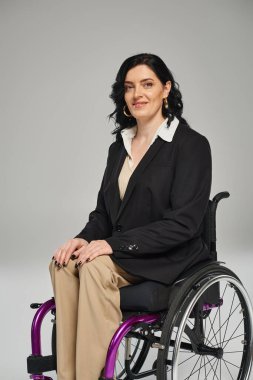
point(53, 340)
point(53, 344)
point(230, 339)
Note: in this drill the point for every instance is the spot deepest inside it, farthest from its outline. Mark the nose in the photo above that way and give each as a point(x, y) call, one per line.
point(137, 92)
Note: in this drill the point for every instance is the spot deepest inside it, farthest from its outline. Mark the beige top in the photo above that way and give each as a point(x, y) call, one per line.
point(124, 176)
point(127, 135)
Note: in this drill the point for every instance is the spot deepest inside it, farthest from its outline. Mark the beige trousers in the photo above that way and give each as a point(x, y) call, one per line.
point(87, 315)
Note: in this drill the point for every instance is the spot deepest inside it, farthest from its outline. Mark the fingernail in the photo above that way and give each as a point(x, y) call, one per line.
point(55, 262)
point(53, 258)
point(73, 257)
point(64, 264)
point(59, 265)
point(78, 264)
point(88, 259)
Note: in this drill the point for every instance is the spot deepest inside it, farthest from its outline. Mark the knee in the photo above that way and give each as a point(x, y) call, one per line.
point(96, 269)
point(52, 266)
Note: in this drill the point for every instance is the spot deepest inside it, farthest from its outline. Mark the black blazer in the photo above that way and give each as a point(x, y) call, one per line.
point(155, 231)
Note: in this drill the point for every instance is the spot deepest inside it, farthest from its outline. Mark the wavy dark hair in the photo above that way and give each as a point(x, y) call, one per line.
point(155, 63)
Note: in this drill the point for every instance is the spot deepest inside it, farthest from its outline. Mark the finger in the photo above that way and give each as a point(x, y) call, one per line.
point(63, 253)
point(83, 258)
point(73, 245)
point(61, 258)
point(77, 247)
point(70, 249)
point(94, 255)
point(57, 253)
point(80, 254)
point(91, 248)
point(89, 256)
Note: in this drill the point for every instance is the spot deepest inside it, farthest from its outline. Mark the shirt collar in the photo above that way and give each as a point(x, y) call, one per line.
point(166, 133)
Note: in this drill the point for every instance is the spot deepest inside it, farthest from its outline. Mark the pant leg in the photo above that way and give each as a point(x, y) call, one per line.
point(65, 283)
point(99, 313)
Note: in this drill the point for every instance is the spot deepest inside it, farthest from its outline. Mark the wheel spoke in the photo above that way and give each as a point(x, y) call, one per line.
point(223, 294)
point(209, 362)
point(200, 367)
point(214, 375)
point(219, 325)
point(186, 360)
point(205, 366)
point(214, 334)
point(228, 370)
point(193, 369)
point(231, 363)
point(235, 337)
point(237, 327)
point(225, 321)
point(229, 317)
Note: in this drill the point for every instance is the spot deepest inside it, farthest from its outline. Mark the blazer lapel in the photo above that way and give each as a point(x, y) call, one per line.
point(113, 188)
point(147, 158)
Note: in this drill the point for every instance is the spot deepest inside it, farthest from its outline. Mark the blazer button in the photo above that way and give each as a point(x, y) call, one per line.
point(133, 247)
point(118, 227)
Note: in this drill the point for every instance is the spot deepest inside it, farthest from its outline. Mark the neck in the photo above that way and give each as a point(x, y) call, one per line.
point(147, 128)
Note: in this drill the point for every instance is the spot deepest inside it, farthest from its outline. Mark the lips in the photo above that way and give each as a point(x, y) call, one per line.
point(139, 104)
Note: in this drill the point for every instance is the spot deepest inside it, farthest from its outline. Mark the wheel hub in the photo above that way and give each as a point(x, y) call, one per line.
point(203, 349)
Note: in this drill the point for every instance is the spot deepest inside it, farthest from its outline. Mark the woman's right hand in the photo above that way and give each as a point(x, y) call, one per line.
point(71, 249)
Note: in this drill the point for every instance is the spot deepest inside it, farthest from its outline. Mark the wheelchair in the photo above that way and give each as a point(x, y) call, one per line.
point(198, 328)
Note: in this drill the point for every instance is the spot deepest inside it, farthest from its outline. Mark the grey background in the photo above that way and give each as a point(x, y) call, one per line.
point(58, 60)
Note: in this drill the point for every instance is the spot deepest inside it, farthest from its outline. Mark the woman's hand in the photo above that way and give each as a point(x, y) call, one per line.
point(71, 249)
point(92, 250)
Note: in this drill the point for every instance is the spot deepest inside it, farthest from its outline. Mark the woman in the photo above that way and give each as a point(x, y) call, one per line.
point(148, 219)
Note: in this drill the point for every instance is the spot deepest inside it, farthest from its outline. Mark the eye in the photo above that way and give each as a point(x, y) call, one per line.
point(148, 85)
point(128, 87)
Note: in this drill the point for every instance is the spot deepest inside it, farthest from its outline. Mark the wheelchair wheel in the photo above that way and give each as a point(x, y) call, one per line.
point(132, 354)
point(208, 341)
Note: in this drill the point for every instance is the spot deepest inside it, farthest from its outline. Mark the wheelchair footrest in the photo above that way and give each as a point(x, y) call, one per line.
point(38, 364)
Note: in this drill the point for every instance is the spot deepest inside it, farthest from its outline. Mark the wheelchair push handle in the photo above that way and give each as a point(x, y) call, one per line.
point(221, 195)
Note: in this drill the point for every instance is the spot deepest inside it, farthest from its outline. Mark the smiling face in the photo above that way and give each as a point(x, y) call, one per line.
point(144, 93)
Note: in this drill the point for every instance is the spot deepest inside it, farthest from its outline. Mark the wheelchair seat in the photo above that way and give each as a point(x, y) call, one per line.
point(152, 296)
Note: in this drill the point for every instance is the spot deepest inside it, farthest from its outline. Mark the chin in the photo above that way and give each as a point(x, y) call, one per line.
point(141, 114)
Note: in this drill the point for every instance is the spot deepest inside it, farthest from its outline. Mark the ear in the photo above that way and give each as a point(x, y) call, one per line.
point(167, 88)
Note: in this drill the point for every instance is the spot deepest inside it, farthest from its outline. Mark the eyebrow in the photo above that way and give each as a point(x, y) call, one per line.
point(143, 80)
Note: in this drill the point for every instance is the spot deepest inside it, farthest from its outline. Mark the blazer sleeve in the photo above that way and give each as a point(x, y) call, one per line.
point(188, 203)
point(99, 225)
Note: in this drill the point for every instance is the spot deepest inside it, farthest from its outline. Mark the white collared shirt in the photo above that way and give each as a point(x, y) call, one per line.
point(166, 133)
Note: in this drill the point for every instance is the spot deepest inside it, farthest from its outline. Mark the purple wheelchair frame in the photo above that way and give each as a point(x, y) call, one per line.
point(113, 347)
point(126, 326)
point(111, 358)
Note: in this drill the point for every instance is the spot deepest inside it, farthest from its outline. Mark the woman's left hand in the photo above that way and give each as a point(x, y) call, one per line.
point(93, 249)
